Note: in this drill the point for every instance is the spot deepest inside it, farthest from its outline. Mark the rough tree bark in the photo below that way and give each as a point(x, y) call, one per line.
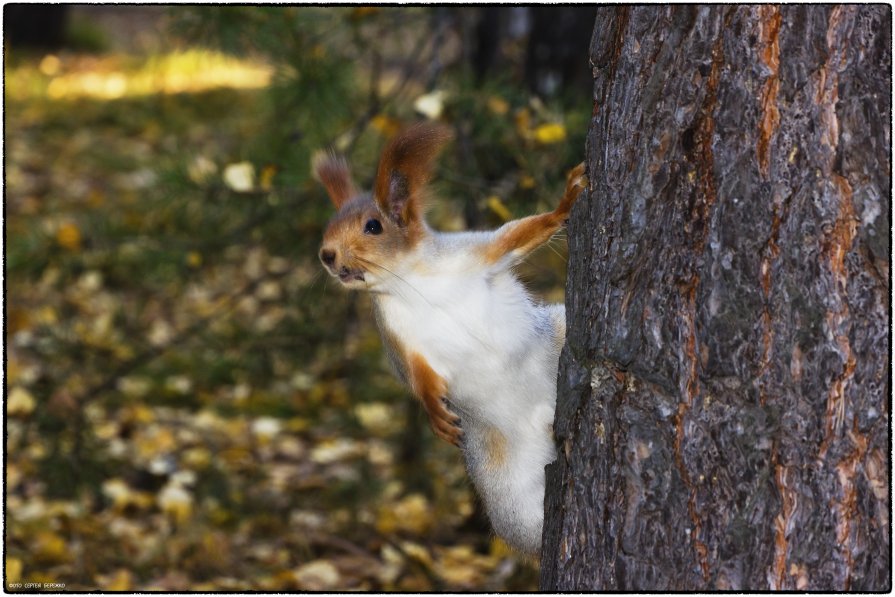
point(723, 407)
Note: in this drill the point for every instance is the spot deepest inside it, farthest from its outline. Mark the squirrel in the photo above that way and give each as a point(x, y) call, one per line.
point(458, 326)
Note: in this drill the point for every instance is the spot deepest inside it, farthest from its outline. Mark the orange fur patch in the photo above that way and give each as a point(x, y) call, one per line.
point(495, 448)
point(431, 389)
point(427, 385)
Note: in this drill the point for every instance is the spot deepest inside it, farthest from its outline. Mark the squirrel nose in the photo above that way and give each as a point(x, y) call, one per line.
point(328, 257)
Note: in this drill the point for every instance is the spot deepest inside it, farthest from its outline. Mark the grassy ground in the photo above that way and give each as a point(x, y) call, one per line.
point(191, 404)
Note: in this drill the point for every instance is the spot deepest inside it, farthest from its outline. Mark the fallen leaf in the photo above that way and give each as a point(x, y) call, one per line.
point(387, 126)
point(378, 417)
point(19, 402)
point(240, 177)
point(176, 501)
point(336, 450)
point(201, 170)
point(430, 105)
point(550, 133)
point(522, 117)
point(266, 179)
point(121, 495)
point(318, 575)
point(194, 259)
point(50, 548)
point(266, 428)
point(497, 206)
point(50, 65)
point(13, 570)
point(417, 552)
point(412, 514)
point(121, 580)
point(527, 182)
point(135, 387)
point(498, 105)
point(69, 236)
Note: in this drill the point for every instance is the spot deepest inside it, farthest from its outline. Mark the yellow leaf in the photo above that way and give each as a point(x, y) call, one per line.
point(417, 552)
point(194, 259)
point(90, 281)
point(270, 290)
point(140, 413)
point(266, 179)
point(122, 580)
point(240, 177)
point(265, 429)
point(235, 457)
point(69, 236)
point(318, 575)
point(336, 450)
point(198, 458)
point(412, 514)
point(155, 441)
point(50, 65)
point(176, 501)
point(50, 548)
point(378, 417)
point(459, 573)
point(496, 205)
point(523, 122)
point(19, 402)
point(118, 491)
point(527, 182)
point(430, 105)
point(14, 367)
point(298, 424)
point(499, 548)
point(96, 198)
point(201, 169)
point(179, 384)
point(387, 126)
point(498, 105)
point(318, 52)
point(550, 133)
point(13, 570)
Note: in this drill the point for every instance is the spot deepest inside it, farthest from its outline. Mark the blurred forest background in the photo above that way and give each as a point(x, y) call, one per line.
point(191, 403)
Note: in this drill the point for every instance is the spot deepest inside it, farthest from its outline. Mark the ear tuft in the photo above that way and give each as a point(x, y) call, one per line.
point(333, 172)
point(404, 170)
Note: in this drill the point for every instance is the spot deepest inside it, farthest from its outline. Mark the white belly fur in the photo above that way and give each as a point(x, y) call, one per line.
point(498, 352)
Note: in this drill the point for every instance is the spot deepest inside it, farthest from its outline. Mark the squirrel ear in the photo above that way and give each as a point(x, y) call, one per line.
point(333, 172)
point(404, 170)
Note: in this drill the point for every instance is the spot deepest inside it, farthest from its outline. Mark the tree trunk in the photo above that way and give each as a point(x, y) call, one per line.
point(722, 419)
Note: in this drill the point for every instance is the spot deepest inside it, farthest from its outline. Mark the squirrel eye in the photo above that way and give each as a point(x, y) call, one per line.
point(372, 227)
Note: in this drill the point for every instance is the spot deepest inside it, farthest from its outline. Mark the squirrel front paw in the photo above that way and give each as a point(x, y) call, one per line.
point(445, 424)
point(576, 179)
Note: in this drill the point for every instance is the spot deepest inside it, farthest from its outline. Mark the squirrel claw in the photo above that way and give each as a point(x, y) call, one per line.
point(454, 438)
point(445, 423)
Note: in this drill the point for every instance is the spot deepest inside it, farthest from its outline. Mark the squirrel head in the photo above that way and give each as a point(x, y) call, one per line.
point(371, 231)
